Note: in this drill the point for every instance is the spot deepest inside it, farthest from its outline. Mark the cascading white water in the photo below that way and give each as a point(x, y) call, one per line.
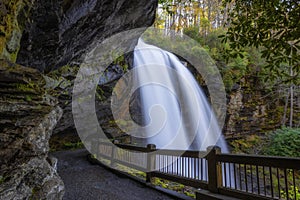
point(176, 111)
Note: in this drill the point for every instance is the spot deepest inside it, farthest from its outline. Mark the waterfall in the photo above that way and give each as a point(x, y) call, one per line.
point(175, 110)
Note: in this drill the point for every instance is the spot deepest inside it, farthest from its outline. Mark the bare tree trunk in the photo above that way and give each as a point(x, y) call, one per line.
point(292, 106)
point(285, 109)
point(292, 101)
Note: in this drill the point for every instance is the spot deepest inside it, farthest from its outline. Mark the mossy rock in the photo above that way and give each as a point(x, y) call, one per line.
point(11, 26)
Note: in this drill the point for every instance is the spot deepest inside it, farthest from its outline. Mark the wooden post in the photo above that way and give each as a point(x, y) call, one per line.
point(95, 148)
point(113, 153)
point(150, 161)
point(214, 169)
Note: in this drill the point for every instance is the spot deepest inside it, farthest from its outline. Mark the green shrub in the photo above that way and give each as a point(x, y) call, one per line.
point(71, 145)
point(284, 142)
point(292, 194)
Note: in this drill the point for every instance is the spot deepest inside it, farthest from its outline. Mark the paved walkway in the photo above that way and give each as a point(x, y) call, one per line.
point(84, 181)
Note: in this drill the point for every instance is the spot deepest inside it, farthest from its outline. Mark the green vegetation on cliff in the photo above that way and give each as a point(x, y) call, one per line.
point(284, 142)
point(281, 142)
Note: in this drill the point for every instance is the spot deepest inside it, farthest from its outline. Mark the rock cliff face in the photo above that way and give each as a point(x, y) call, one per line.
point(43, 36)
point(61, 31)
point(27, 117)
point(251, 110)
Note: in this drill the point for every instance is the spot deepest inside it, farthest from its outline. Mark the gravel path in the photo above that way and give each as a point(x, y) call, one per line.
point(84, 181)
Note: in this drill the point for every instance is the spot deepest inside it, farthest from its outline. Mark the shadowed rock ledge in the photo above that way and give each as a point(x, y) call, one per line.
point(61, 31)
point(42, 36)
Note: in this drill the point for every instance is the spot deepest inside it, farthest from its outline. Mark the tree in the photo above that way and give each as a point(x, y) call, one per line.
point(273, 25)
point(180, 14)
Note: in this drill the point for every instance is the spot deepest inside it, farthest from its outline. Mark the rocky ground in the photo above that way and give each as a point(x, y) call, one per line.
point(84, 181)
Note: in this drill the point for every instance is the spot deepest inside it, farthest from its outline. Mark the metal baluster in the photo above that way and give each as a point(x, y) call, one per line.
point(246, 180)
point(271, 181)
point(294, 183)
point(235, 179)
point(286, 184)
point(252, 185)
point(240, 177)
point(257, 179)
point(265, 189)
point(278, 181)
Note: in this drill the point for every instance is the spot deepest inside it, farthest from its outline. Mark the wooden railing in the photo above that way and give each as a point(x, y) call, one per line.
point(240, 176)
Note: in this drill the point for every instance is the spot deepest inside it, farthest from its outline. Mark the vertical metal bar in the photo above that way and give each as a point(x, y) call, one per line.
point(235, 179)
point(130, 157)
point(294, 184)
point(172, 166)
point(240, 177)
point(191, 168)
point(230, 177)
point(181, 165)
point(163, 163)
point(257, 179)
point(125, 156)
point(167, 164)
point(271, 181)
point(177, 162)
point(184, 166)
point(205, 168)
point(278, 181)
point(201, 168)
point(195, 167)
point(251, 171)
point(159, 164)
point(286, 184)
point(225, 174)
point(246, 180)
point(265, 189)
point(188, 167)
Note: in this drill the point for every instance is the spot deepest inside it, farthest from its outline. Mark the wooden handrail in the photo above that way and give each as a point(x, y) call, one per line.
point(268, 161)
point(210, 169)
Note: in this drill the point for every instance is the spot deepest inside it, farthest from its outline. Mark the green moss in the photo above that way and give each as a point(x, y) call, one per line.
point(10, 28)
point(190, 194)
point(160, 182)
point(76, 145)
point(28, 98)
point(250, 144)
point(2, 179)
point(13, 56)
point(25, 87)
